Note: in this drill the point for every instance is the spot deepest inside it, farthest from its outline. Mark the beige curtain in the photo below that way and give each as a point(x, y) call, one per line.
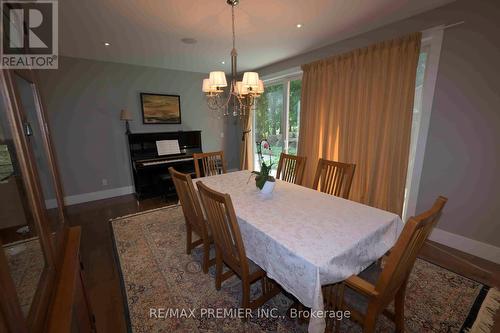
point(246, 158)
point(357, 108)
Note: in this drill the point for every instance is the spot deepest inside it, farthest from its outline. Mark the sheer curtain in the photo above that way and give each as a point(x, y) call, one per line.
point(357, 108)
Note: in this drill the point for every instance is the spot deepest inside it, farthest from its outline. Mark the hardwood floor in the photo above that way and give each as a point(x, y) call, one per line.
point(103, 280)
point(101, 273)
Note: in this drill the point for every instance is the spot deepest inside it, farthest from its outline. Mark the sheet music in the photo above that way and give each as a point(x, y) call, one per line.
point(167, 147)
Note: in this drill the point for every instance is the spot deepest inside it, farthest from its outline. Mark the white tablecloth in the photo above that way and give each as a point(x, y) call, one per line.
point(303, 238)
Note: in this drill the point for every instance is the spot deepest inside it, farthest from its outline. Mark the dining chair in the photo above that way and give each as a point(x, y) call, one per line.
point(211, 164)
point(291, 168)
point(230, 250)
point(334, 177)
point(193, 216)
point(393, 279)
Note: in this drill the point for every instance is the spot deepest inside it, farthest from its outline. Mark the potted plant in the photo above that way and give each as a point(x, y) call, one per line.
point(263, 179)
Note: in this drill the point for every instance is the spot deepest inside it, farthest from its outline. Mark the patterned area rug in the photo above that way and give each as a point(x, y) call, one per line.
point(26, 263)
point(166, 291)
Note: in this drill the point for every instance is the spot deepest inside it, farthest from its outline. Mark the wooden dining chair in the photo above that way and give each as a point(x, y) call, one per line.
point(211, 164)
point(291, 168)
point(193, 216)
point(334, 177)
point(229, 248)
point(392, 282)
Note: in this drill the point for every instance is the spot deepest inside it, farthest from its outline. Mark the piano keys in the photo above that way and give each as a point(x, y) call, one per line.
point(146, 163)
point(150, 169)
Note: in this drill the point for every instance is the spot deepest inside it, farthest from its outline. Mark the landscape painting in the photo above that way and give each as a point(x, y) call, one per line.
point(161, 109)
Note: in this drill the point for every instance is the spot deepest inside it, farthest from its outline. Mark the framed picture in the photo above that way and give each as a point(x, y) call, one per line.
point(161, 109)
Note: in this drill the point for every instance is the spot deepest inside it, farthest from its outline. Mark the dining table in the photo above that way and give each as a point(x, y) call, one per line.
point(304, 239)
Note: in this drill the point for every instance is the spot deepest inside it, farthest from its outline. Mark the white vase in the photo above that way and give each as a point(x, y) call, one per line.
point(268, 187)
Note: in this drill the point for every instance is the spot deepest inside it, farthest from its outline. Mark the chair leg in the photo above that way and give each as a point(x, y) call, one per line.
point(218, 268)
point(245, 286)
point(339, 302)
point(302, 309)
point(330, 297)
point(370, 321)
point(189, 238)
point(206, 255)
point(399, 309)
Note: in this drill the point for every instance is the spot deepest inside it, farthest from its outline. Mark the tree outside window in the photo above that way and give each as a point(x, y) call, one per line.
point(273, 123)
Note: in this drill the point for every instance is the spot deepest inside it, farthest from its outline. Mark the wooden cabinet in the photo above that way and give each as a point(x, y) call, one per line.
point(41, 280)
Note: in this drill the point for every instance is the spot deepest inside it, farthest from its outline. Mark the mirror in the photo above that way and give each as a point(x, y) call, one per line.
point(18, 235)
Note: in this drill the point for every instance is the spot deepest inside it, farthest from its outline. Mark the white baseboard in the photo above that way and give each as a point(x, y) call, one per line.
point(91, 196)
point(99, 195)
point(467, 245)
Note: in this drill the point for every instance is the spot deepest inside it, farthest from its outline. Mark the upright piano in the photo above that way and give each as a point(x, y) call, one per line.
point(150, 169)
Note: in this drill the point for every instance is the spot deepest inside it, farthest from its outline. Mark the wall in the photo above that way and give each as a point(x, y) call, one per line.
point(461, 159)
point(462, 152)
point(83, 99)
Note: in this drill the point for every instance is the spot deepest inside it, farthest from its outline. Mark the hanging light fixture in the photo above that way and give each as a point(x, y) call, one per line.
point(240, 95)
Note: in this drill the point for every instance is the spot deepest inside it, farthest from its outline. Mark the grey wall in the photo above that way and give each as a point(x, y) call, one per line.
point(83, 99)
point(462, 153)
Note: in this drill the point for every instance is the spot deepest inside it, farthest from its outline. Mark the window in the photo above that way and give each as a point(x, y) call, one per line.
point(417, 105)
point(424, 92)
point(277, 116)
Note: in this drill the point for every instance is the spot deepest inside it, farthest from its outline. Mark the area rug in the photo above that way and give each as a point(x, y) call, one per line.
point(26, 263)
point(166, 290)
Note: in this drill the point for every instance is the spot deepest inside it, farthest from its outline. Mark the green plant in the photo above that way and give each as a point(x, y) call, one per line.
point(263, 175)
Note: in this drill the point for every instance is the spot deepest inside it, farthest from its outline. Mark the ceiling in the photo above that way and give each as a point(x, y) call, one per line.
point(149, 32)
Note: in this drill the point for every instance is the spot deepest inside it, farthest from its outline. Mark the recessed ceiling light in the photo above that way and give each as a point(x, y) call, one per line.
point(299, 25)
point(223, 62)
point(106, 44)
point(189, 40)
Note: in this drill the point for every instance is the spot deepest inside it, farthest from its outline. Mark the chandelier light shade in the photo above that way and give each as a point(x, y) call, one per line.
point(205, 87)
point(217, 79)
point(260, 87)
point(241, 89)
point(251, 80)
point(240, 95)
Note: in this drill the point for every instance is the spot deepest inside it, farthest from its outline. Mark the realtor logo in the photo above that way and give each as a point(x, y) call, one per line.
point(29, 34)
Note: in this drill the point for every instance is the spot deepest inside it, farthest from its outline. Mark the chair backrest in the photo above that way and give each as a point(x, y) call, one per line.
point(291, 168)
point(334, 177)
point(403, 255)
point(211, 164)
point(221, 217)
point(189, 200)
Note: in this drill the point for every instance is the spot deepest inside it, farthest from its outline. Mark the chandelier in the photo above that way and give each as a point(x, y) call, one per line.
point(240, 95)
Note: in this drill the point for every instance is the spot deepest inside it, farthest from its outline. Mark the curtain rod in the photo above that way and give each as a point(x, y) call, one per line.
point(442, 27)
point(451, 25)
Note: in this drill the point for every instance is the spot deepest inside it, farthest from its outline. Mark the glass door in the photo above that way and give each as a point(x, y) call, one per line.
point(277, 121)
point(416, 124)
point(268, 126)
point(293, 117)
